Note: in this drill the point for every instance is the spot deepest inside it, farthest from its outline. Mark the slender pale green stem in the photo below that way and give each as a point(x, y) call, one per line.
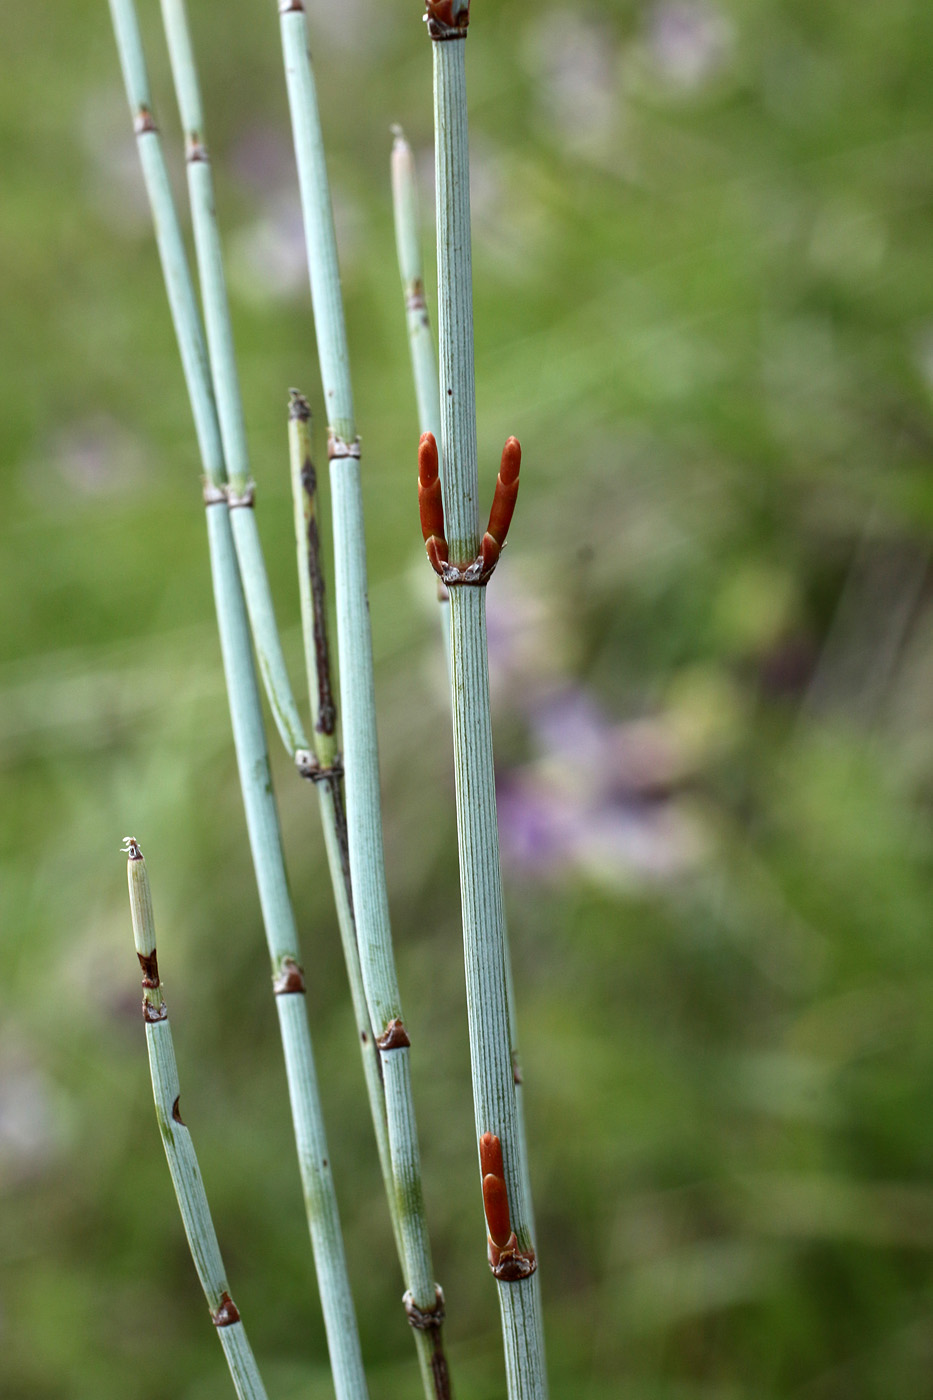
point(326, 769)
point(176, 1139)
point(427, 394)
point(226, 385)
point(485, 951)
point(357, 696)
point(420, 339)
point(250, 744)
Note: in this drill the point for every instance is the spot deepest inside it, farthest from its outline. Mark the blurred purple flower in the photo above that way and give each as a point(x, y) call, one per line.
point(689, 43)
point(597, 800)
point(536, 824)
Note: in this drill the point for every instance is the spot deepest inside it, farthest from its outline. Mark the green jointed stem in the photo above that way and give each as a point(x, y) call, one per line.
point(250, 744)
point(485, 951)
point(226, 383)
point(357, 695)
point(170, 243)
point(176, 1139)
point(427, 393)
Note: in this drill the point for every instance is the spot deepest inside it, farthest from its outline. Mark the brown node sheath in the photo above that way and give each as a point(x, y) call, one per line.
point(176, 1110)
point(425, 1319)
point(144, 121)
point(214, 495)
point(511, 1264)
point(298, 406)
point(447, 19)
point(394, 1037)
point(290, 978)
point(149, 963)
point(242, 500)
point(227, 1313)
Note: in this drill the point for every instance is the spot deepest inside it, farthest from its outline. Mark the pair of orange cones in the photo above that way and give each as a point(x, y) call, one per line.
point(431, 505)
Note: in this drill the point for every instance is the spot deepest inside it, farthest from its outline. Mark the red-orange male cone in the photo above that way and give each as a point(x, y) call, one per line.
point(495, 1196)
point(431, 502)
point(503, 504)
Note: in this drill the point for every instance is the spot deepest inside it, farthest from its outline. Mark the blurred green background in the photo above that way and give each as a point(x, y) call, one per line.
point(704, 301)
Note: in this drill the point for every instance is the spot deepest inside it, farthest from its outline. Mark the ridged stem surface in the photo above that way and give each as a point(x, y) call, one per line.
point(485, 951)
point(455, 301)
point(320, 239)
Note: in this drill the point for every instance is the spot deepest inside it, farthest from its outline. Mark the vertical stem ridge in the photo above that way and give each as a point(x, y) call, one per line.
point(455, 302)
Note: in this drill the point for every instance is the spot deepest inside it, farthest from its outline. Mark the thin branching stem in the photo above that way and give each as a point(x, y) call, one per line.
point(427, 395)
point(225, 380)
point(326, 767)
point(357, 697)
point(249, 741)
point(176, 1139)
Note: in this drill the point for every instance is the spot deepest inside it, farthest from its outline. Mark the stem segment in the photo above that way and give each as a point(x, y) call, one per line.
point(327, 765)
point(226, 383)
point(420, 340)
point(485, 952)
point(424, 1300)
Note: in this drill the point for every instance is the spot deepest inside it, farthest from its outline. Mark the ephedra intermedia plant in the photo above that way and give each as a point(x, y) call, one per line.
point(337, 752)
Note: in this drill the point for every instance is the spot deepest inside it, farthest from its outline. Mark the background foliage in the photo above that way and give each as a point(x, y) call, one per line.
point(704, 303)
